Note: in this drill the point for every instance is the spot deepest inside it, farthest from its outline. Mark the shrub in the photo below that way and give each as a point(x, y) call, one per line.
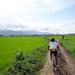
point(27, 65)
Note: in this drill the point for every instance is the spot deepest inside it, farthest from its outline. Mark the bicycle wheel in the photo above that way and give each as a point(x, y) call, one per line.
point(53, 62)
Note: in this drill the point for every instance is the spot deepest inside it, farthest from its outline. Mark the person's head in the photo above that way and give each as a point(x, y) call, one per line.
point(53, 39)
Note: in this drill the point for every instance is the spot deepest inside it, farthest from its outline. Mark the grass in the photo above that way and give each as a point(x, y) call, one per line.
point(10, 45)
point(28, 44)
point(69, 44)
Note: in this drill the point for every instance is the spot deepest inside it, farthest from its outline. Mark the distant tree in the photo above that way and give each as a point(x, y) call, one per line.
point(0, 35)
point(11, 35)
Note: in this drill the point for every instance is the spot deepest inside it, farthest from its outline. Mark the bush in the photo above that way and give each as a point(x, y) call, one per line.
point(27, 65)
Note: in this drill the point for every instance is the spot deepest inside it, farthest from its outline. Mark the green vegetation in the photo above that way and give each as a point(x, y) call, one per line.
point(34, 50)
point(27, 65)
point(69, 44)
point(11, 45)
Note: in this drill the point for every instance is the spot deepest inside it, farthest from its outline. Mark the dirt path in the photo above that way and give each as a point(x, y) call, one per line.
point(47, 68)
point(65, 64)
point(69, 61)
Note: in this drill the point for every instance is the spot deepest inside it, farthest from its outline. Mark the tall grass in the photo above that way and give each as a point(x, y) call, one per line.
point(69, 44)
point(10, 45)
point(27, 65)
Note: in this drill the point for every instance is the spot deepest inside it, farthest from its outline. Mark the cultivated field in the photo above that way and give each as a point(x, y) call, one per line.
point(69, 44)
point(66, 63)
point(36, 48)
point(10, 45)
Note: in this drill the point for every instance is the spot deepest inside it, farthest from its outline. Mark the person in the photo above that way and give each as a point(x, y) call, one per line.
point(53, 47)
point(63, 37)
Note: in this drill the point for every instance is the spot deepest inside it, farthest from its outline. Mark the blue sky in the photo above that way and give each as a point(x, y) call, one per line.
point(54, 16)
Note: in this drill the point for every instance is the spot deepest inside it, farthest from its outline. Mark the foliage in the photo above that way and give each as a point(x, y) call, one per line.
point(69, 44)
point(10, 45)
point(27, 65)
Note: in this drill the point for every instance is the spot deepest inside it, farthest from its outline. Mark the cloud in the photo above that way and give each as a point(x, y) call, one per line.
point(54, 5)
point(12, 7)
point(61, 27)
point(31, 14)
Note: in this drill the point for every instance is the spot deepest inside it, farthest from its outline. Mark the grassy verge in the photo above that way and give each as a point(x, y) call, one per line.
point(27, 65)
point(69, 44)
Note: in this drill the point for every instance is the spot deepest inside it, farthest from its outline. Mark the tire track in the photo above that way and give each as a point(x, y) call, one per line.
point(65, 64)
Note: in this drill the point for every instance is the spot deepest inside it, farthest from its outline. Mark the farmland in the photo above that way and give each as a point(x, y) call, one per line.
point(10, 45)
point(69, 44)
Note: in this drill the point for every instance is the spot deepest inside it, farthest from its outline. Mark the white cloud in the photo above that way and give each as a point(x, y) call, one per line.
point(9, 7)
point(12, 7)
point(61, 27)
point(25, 14)
point(54, 5)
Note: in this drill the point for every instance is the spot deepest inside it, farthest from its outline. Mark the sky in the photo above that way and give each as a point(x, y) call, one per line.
point(53, 16)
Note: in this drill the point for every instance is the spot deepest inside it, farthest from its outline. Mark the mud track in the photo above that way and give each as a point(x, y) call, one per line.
point(65, 66)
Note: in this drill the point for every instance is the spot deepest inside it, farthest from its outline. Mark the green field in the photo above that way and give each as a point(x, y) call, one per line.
point(69, 44)
point(10, 45)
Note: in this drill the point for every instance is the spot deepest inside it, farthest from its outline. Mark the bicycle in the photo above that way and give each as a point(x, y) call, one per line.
point(54, 61)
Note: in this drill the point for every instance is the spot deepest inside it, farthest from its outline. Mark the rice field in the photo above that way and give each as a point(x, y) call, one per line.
point(69, 44)
point(10, 45)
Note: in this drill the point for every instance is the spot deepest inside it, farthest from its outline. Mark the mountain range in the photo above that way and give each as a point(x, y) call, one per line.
point(26, 32)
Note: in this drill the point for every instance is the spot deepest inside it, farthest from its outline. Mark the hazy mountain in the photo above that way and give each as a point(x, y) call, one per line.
point(27, 32)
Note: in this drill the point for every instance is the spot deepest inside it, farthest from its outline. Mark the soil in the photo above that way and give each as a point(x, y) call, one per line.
point(66, 65)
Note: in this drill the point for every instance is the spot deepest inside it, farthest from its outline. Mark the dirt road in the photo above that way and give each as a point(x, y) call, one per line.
point(65, 66)
point(47, 68)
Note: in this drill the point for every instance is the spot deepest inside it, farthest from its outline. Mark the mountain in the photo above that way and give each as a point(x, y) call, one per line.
point(27, 32)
